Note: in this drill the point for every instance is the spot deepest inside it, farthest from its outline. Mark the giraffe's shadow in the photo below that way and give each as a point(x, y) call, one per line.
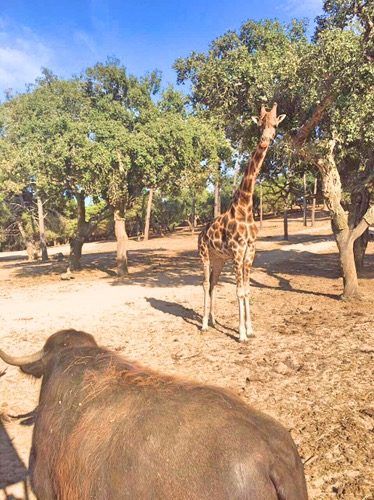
point(188, 315)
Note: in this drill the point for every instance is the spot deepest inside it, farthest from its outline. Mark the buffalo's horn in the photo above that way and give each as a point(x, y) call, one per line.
point(21, 360)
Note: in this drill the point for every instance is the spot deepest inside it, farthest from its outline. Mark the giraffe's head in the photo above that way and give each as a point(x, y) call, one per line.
point(268, 122)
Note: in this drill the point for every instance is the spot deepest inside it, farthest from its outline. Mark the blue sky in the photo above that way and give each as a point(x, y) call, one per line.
point(67, 36)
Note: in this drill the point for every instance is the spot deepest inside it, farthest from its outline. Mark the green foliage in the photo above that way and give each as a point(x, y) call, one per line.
point(266, 61)
point(102, 136)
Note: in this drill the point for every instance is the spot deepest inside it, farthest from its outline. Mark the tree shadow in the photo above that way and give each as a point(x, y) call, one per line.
point(160, 267)
point(104, 262)
point(297, 238)
point(11, 258)
point(12, 468)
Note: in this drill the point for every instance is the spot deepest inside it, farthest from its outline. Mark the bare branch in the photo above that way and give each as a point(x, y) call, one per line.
point(306, 129)
point(367, 220)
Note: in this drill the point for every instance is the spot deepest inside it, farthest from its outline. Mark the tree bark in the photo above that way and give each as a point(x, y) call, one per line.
point(30, 245)
point(236, 172)
point(43, 244)
point(304, 201)
point(285, 223)
point(148, 214)
point(76, 243)
point(345, 235)
point(122, 239)
point(360, 204)
point(332, 193)
point(347, 261)
point(193, 214)
point(313, 218)
point(217, 197)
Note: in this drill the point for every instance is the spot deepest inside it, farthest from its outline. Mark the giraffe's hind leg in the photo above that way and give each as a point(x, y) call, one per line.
point(238, 266)
point(204, 254)
point(216, 269)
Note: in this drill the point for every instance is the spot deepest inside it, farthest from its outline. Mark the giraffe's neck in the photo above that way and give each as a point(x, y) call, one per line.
point(243, 199)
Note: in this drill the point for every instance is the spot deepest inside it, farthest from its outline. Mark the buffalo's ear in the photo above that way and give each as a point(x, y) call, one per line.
point(280, 118)
point(34, 369)
point(255, 119)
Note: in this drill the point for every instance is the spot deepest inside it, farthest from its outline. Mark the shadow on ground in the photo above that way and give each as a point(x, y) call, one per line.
point(188, 315)
point(12, 469)
point(162, 268)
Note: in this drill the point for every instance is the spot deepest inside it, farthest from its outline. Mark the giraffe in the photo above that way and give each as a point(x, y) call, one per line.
point(232, 235)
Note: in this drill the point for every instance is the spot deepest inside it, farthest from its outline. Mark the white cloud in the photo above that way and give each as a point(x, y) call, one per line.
point(22, 54)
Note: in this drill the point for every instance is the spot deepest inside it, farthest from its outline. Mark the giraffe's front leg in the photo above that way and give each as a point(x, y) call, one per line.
point(238, 264)
point(246, 278)
point(206, 285)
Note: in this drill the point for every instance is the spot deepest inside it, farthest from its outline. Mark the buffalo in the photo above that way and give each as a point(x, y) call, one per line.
point(107, 428)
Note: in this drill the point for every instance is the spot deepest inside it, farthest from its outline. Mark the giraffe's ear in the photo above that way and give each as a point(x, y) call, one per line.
point(255, 119)
point(281, 118)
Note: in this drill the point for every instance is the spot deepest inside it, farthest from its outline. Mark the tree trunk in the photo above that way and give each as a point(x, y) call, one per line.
point(76, 243)
point(344, 235)
point(236, 172)
point(344, 241)
point(332, 193)
point(304, 201)
point(360, 203)
point(314, 202)
point(261, 205)
point(193, 214)
point(285, 223)
point(30, 246)
point(43, 244)
point(148, 215)
point(217, 197)
point(122, 239)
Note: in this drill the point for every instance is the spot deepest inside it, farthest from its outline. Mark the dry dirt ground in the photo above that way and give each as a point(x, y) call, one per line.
point(309, 364)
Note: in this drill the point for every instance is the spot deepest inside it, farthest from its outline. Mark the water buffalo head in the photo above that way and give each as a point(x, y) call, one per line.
point(35, 364)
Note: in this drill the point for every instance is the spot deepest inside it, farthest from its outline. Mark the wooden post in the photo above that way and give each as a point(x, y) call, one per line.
point(314, 202)
point(261, 205)
point(304, 201)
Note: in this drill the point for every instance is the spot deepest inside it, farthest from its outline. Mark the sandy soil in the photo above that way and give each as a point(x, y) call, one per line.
point(309, 364)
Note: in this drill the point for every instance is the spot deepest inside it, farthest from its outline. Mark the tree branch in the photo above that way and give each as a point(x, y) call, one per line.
point(367, 220)
point(96, 219)
point(306, 129)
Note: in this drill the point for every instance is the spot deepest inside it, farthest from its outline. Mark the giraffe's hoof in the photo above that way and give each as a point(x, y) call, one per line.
point(242, 334)
point(204, 326)
point(250, 334)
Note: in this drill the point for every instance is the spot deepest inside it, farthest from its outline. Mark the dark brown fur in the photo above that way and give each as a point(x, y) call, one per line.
point(110, 429)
